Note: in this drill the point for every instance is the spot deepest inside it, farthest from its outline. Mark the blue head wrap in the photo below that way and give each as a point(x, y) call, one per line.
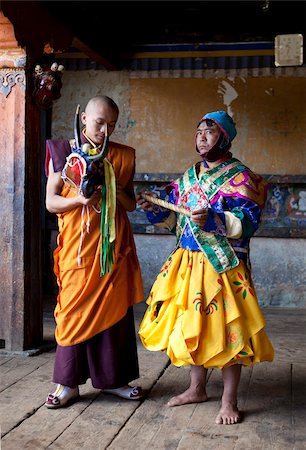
point(224, 121)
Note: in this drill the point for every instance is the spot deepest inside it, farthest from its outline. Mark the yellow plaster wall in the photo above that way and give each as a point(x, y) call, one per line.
point(78, 88)
point(270, 114)
point(158, 117)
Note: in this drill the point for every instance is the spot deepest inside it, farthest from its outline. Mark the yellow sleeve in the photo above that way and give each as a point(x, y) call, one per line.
point(233, 226)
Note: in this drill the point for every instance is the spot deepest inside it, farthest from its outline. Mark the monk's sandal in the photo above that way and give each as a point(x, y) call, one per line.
point(127, 392)
point(62, 396)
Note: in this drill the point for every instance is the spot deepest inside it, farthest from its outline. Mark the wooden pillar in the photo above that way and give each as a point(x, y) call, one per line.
point(20, 175)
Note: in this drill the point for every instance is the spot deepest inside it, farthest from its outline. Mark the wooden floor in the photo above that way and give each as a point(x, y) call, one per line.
point(272, 397)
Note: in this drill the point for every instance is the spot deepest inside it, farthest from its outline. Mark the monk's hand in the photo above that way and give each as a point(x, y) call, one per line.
point(93, 200)
point(144, 204)
point(199, 217)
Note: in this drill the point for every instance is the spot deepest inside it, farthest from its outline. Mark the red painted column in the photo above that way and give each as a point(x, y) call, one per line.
point(15, 298)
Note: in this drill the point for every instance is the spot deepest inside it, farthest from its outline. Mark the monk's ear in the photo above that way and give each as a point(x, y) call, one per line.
point(83, 118)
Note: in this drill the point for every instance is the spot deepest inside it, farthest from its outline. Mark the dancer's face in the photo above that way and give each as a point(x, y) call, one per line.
point(206, 137)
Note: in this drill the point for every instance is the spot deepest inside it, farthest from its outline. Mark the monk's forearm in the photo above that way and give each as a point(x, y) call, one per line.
point(58, 204)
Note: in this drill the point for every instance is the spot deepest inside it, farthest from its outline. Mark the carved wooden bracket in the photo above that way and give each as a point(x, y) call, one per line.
point(9, 78)
point(12, 58)
point(11, 54)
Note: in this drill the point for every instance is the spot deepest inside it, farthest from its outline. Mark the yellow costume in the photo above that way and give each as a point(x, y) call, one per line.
point(200, 317)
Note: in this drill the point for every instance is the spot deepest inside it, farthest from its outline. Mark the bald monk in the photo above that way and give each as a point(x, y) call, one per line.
point(95, 331)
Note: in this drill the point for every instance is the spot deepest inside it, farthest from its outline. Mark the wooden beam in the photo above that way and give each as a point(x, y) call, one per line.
point(92, 54)
point(35, 27)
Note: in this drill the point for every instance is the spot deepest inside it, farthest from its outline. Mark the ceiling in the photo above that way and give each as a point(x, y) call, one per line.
point(108, 30)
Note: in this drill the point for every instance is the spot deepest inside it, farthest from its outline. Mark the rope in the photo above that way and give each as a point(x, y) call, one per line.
point(164, 204)
point(82, 230)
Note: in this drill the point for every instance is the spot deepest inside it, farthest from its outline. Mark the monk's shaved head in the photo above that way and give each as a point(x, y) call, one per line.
point(100, 118)
point(101, 99)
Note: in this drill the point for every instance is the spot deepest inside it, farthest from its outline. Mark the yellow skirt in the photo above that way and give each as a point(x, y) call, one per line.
point(200, 317)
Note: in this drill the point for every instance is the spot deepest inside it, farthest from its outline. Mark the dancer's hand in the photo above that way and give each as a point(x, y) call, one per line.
point(199, 217)
point(144, 204)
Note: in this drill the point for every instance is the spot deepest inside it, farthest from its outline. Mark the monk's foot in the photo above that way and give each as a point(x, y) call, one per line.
point(228, 414)
point(189, 396)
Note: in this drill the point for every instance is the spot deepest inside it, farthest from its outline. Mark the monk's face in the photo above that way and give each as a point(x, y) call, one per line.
point(99, 120)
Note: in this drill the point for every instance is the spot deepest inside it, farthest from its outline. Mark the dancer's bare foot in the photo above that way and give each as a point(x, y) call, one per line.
point(189, 396)
point(228, 414)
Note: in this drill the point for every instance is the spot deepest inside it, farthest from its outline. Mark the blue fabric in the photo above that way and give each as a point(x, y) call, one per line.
point(158, 215)
point(224, 120)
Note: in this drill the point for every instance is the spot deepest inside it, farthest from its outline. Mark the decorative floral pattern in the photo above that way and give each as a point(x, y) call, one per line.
point(212, 307)
point(228, 305)
point(165, 269)
point(195, 198)
point(244, 285)
point(190, 262)
point(233, 336)
point(198, 302)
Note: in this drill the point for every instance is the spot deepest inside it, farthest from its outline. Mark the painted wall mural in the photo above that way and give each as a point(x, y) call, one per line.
point(286, 208)
point(284, 214)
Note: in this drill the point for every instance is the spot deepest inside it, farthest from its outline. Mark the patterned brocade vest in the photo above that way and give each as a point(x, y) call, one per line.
point(196, 192)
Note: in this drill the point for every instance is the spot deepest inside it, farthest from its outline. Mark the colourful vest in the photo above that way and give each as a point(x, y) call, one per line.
point(196, 192)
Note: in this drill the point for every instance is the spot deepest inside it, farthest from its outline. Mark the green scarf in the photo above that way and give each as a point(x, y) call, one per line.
point(108, 211)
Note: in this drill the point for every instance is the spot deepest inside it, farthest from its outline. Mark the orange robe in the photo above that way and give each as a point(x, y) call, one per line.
point(88, 303)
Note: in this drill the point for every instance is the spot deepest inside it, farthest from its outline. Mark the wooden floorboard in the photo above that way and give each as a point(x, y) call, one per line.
point(272, 398)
